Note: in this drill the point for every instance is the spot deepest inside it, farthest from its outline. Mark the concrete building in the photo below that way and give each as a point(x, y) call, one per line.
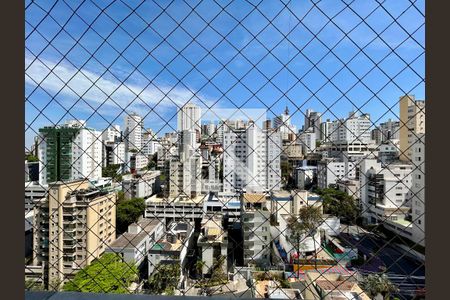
point(325, 131)
point(134, 126)
point(185, 168)
point(141, 185)
point(113, 153)
point(189, 118)
point(134, 244)
point(349, 186)
point(251, 160)
point(388, 151)
point(69, 152)
point(213, 243)
point(306, 177)
point(418, 190)
point(412, 123)
point(385, 191)
point(282, 123)
point(76, 224)
point(390, 130)
point(150, 142)
point(308, 141)
point(329, 171)
point(255, 224)
point(172, 247)
point(33, 192)
point(312, 121)
point(138, 161)
point(350, 134)
point(180, 208)
point(112, 134)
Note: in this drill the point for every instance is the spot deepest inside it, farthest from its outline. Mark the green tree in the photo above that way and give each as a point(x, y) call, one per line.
point(112, 171)
point(31, 158)
point(378, 284)
point(33, 285)
point(164, 279)
point(108, 274)
point(128, 212)
point(339, 204)
point(199, 264)
point(305, 224)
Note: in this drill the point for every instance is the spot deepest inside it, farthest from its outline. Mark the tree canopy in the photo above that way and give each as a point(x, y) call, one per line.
point(375, 284)
point(108, 274)
point(339, 204)
point(164, 279)
point(305, 223)
point(112, 172)
point(128, 212)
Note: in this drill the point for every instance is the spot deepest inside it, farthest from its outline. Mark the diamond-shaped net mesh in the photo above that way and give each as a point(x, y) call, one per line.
point(238, 148)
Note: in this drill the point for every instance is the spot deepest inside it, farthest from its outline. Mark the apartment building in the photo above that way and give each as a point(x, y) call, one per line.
point(69, 152)
point(141, 185)
point(255, 224)
point(180, 208)
point(213, 242)
point(251, 159)
point(76, 224)
point(312, 121)
point(350, 134)
point(282, 123)
point(34, 191)
point(112, 134)
point(185, 167)
point(134, 244)
point(329, 171)
point(134, 126)
point(189, 118)
point(308, 141)
point(412, 123)
point(418, 190)
point(113, 153)
point(385, 191)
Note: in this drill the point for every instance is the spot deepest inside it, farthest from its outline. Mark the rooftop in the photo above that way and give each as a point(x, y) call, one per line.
point(254, 198)
point(131, 240)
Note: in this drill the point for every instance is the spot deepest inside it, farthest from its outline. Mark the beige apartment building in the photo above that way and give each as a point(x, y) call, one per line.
point(412, 124)
point(76, 223)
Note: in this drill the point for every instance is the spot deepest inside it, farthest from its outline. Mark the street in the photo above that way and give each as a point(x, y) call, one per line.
point(406, 272)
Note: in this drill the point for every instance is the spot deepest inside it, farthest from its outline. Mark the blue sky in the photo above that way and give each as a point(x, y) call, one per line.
point(94, 59)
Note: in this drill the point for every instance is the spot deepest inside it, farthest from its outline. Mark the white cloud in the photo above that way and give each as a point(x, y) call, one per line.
point(53, 78)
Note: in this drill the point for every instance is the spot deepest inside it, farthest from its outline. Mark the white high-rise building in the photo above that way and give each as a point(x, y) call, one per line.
point(353, 130)
point(189, 118)
point(385, 190)
point(185, 167)
point(312, 121)
point(282, 123)
point(325, 131)
point(150, 142)
point(418, 190)
point(69, 152)
point(308, 141)
point(252, 159)
point(111, 134)
point(133, 132)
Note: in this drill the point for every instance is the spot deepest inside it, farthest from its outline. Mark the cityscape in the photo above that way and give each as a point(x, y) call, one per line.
point(229, 174)
point(213, 206)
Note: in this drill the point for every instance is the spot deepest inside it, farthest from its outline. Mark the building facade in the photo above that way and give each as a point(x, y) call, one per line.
point(76, 226)
point(69, 152)
point(251, 159)
point(412, 123)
